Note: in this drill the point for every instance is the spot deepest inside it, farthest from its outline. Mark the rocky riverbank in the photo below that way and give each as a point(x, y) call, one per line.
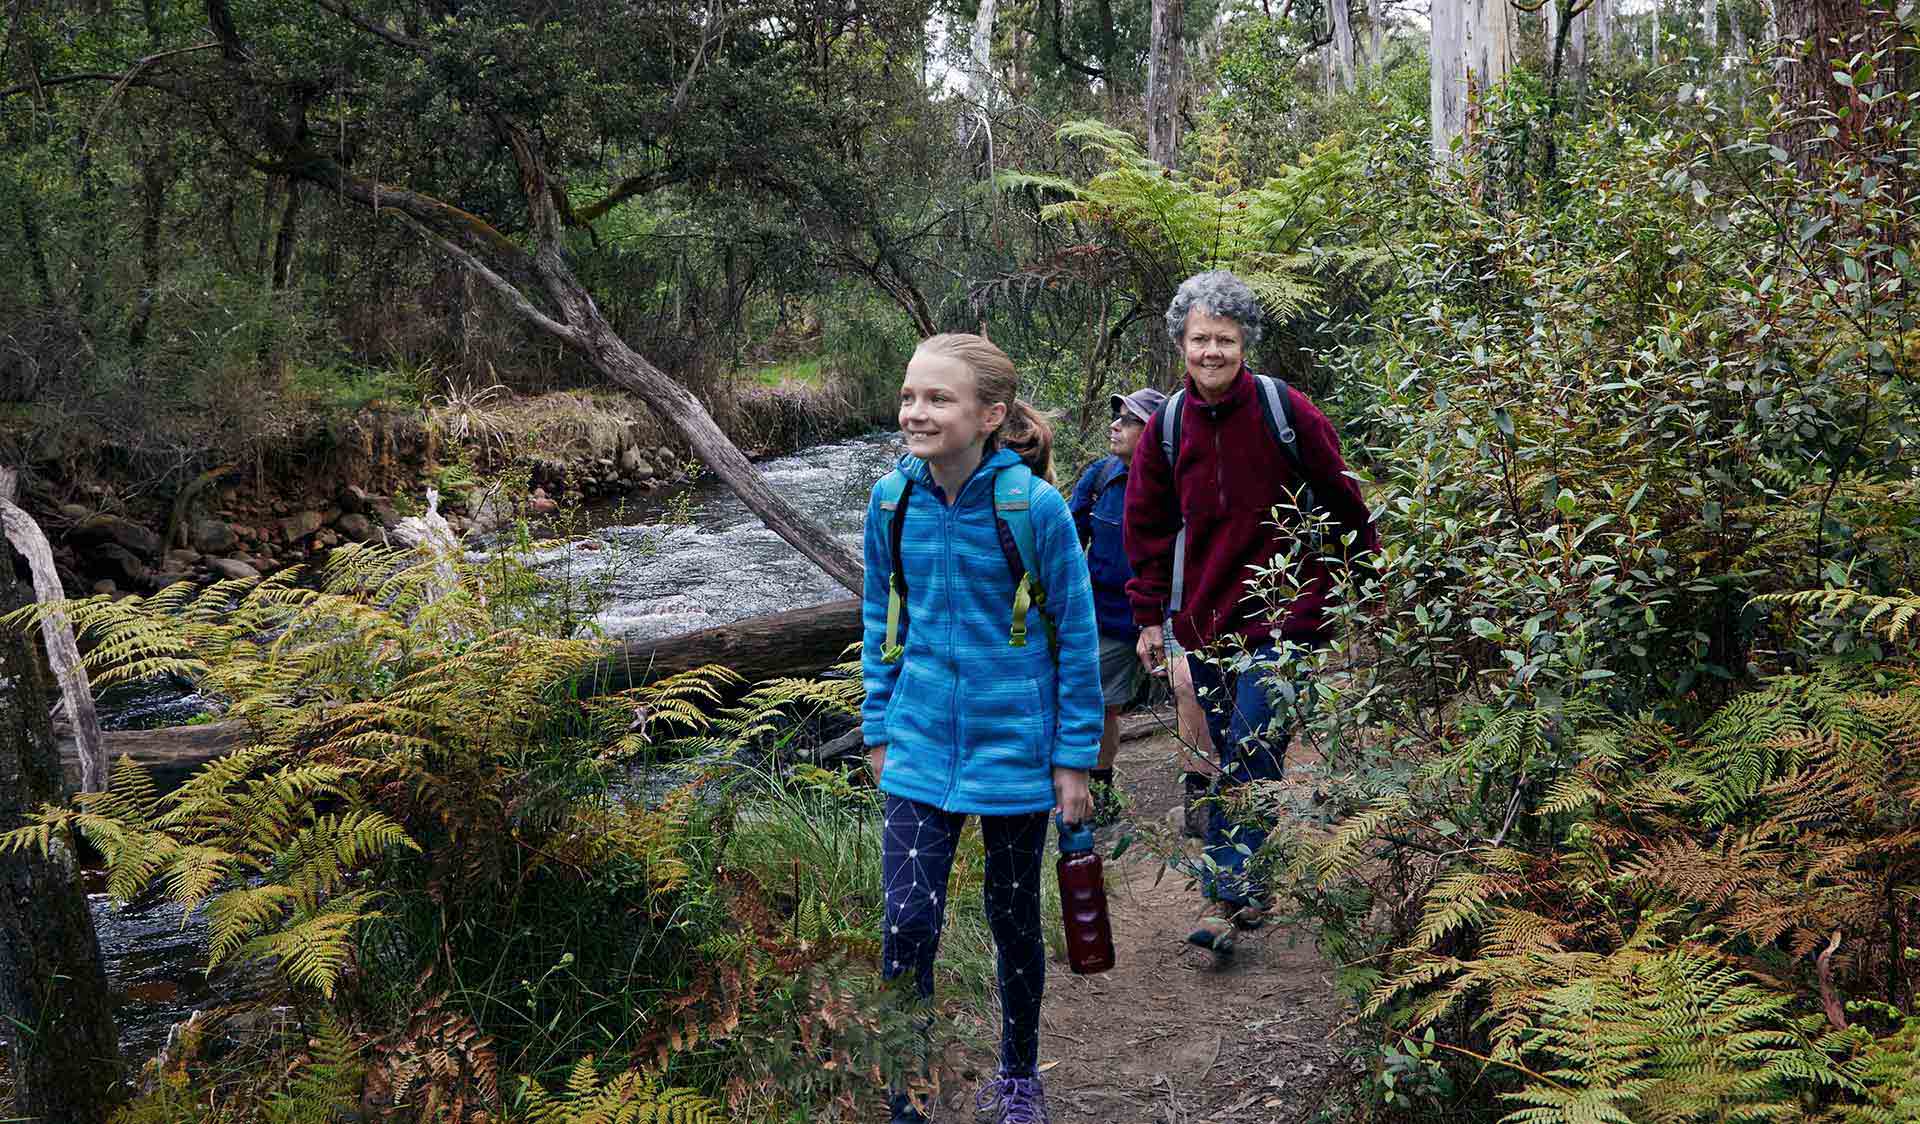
point(532, 456)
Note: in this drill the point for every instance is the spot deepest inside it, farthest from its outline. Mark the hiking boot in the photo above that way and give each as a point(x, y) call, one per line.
point(904, 1111)
point(1213, 930)
point(1250, 914)
point(1013, 1100)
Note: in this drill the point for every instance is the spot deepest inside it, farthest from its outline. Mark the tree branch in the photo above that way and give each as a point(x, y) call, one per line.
point(507, 290)
point(378, 30)
point(63, 653)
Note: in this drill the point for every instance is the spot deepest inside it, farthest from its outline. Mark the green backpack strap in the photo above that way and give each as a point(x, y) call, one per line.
point(1012, 511)
point(896, 488)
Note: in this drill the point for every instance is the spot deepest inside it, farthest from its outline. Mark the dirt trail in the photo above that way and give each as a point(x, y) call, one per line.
point(1166, 1037)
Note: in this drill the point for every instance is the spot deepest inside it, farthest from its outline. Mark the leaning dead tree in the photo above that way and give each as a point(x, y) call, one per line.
point(63, 652)
point(264, 108)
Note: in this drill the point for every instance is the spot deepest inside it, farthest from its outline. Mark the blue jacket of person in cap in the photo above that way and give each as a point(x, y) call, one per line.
point(1099, 506)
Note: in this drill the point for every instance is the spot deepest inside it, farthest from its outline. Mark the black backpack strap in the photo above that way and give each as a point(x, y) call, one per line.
point(1276, 407)
point(893, 539)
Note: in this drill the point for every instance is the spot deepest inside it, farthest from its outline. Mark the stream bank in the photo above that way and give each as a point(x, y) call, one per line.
point(352, 478)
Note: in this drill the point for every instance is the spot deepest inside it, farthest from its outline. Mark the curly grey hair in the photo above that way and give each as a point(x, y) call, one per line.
point(1216, 293)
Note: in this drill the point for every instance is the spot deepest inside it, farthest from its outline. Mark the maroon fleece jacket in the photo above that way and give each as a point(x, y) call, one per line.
point(1231, 474)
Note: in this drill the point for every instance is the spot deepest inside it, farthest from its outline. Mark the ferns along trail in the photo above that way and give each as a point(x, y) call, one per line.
point(376, 374)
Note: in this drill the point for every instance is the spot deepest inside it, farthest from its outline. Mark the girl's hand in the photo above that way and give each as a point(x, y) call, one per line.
point(877, 761)
point(1072, 798)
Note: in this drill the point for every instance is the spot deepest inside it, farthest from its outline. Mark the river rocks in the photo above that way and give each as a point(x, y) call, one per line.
point(105, 587)
point(74, 512)
point(354, 500)
point(354, 527)
point(111, 560)
point(301, 524)
point(232, 569)
point(103, 528)
point(212, 536)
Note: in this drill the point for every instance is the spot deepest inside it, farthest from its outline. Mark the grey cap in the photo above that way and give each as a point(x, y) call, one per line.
point(1141, 403)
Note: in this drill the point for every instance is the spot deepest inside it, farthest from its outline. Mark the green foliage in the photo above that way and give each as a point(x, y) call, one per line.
point(633, 1097)
point(1281, 234)
point(327, 1085)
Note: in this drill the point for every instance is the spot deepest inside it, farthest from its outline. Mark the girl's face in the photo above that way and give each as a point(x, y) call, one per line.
point(941, 412)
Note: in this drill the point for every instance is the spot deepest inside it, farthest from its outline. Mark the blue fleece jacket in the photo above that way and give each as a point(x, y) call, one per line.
point(1099, 507)
point(972, 724)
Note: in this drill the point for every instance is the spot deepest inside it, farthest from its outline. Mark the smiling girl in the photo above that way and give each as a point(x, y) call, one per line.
point(962, 716)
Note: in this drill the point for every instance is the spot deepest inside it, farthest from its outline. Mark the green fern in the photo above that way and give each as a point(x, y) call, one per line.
point(633, 1097)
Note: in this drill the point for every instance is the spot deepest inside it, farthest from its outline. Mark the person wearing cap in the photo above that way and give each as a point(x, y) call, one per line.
point(1098, 504)
point(1200, 523)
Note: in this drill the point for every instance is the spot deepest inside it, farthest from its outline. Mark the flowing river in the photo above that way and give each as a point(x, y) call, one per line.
point(663, 563)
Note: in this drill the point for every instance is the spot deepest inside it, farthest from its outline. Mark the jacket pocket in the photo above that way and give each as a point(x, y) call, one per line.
point(1005, 730)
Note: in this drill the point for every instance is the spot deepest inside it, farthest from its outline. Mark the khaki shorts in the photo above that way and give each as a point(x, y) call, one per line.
point(1120, 670)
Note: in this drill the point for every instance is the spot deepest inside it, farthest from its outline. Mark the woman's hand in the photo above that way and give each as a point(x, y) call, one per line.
point(877, 761)
point(1072, 797)
point(1152, 649)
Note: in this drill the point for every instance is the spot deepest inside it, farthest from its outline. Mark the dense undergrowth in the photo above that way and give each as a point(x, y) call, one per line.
point(438, 840)
point(1620, 759)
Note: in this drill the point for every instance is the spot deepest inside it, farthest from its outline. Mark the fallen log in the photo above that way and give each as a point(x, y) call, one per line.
point(169, 747)
point(796, 642)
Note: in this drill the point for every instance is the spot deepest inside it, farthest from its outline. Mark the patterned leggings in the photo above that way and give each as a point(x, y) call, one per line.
point(916, 855)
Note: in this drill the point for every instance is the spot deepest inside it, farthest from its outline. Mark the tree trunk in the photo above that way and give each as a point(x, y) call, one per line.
point(1343, 42)
point(1447, 78)
point(1709, 32)
point(154, 177)
point(1376, 36)
point(53, 990)
point(1603, 29)
point(980, 74)
point(62, 651)
point(1819, 37)
point(1164, 63)
point(1737, 31)
point(1489, 40)
point(287, 238)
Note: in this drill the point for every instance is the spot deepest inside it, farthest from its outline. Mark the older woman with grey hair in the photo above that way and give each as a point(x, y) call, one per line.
point(1199, 522)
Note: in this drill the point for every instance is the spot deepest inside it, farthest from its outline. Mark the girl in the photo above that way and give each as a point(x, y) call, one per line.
point(962, 715)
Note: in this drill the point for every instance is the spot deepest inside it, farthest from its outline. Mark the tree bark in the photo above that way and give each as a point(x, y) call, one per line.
point(1343, 42)
point(1164, 64)
point(1447, 78)
point(62, 651)
point(1820, 36)
point(1376, 35)
point(1710, 31)
point(53, 989)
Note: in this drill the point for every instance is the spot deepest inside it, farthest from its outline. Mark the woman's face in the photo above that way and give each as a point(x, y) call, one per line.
point(1215, 346)
point(940, 409)
point(1124, 435)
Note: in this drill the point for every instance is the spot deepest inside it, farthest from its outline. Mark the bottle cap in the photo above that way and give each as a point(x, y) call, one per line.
point(1074, 837)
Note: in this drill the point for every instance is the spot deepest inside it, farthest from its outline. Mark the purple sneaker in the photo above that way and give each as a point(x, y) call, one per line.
point(1013, 1100)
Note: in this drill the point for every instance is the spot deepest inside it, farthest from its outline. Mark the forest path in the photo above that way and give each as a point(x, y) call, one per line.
point(1168, 1036)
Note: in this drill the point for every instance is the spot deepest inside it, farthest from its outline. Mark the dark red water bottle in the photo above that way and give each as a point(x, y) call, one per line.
point(1083, 901)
